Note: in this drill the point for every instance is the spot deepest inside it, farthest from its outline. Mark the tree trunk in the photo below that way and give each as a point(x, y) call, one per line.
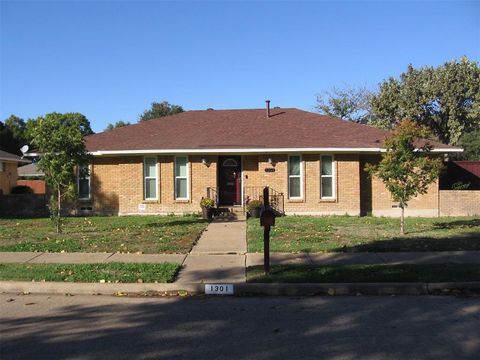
point(59, 206)
point(402, 220)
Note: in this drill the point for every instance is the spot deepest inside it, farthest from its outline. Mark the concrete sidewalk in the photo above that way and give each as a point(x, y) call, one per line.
point(205, 259)
point(85, 258)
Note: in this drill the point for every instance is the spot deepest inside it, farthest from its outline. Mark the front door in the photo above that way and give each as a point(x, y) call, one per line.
point(229, 180)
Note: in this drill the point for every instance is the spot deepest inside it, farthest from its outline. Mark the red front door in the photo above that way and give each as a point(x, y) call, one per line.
point(229, 180)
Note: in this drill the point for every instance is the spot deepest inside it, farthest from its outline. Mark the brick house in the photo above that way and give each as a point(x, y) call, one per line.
point(8, 171)
point(314, 163)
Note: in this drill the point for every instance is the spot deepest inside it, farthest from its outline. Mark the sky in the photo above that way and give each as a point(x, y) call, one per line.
point(111, 59)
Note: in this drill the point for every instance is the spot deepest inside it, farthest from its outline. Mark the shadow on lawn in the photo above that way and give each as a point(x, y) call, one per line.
point(418, 243)
point(458, 224)
point(245, 328)
point(177, 223)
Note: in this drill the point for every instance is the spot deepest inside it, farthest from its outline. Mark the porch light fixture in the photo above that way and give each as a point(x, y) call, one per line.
point(205, 162)
point(270, 161)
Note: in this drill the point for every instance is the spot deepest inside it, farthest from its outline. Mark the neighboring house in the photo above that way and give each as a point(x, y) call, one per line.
point(8, 171)
point(317, 162)
point(30, 175)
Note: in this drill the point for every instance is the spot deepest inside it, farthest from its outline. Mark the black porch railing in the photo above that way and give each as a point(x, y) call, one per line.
point(276, 198)
point(212, 193)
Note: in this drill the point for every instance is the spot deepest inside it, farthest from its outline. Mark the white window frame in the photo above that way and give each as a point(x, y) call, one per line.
point(296, 176)
point(88, 177)
point(333, 176)
point(187, 177)
point(145, 178)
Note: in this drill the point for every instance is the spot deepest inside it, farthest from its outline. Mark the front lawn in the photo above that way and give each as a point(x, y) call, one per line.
point(365, 273)
point(147, 234)
point(106, 272)
point(357, 234)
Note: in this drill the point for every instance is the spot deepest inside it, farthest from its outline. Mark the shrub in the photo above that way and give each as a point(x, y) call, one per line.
point(460, 186)
point(207, 203)
point(22, 189)
point(254, 204)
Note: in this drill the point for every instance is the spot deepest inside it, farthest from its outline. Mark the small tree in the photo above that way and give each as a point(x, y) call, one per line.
point(59, 139)
point(406, 168)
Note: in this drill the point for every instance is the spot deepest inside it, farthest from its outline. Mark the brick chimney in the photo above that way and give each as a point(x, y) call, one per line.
point(267, 102)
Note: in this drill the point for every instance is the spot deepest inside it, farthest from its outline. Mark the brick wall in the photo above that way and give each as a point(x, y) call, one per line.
point(347, 182)
point(459, 202)
point(377, 198)
point(8, 177)
point(38, 186)
point(117, 186)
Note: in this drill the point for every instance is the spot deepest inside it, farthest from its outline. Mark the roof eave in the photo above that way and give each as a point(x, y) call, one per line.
point(253, 151)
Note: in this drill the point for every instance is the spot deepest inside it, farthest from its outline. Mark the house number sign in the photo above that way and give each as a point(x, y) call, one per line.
point(269, 170)
point(219, 289)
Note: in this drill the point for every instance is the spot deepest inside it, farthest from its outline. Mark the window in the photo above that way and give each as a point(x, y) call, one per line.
point(83, 182)
point(295, 177)
point(150, 178)
point(2, 166)
point(181, 178)
point(327, 183)
point(230, 163)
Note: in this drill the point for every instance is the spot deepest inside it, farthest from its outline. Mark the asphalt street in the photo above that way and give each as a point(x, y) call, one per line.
point(362, 327)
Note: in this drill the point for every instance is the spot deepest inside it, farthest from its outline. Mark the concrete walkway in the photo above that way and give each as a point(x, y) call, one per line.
point(219, 255)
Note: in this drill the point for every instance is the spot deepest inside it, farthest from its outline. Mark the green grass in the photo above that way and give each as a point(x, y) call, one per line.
point(365, 273)
point(109, 272)
point(357, 234)
point(147, 234)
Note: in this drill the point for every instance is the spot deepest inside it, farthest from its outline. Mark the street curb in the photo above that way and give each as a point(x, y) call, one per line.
point(242, 289)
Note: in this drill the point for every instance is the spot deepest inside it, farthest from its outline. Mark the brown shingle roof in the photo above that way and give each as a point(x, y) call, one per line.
point(6, 156)
point(240, 129)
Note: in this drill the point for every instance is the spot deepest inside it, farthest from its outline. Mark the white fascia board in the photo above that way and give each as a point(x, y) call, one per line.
point(232, 151)
point(15, 160)
point(252, 151)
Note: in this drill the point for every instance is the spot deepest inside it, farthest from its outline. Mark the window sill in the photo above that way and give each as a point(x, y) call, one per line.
point(152, 201)
point(295, 200)
point(182, 201)
point(327, 200)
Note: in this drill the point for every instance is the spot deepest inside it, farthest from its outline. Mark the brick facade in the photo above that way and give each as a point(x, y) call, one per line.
point(118, 186)
point(8, 177)
point(459, 202)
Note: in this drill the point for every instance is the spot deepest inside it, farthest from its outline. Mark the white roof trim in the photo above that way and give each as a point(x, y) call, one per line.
point(252, 151)
point(15, 160)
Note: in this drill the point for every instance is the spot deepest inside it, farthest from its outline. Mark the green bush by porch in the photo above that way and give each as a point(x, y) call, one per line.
point(359, 234)
point(146, 234)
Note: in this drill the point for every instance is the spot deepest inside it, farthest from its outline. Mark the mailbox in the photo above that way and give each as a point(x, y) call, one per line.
point(267, 217)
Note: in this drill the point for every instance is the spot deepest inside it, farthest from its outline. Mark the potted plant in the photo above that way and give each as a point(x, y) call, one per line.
point(254, 207)
point(207, 206)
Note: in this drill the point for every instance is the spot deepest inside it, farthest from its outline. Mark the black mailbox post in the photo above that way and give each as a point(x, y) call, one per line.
point(267, 219)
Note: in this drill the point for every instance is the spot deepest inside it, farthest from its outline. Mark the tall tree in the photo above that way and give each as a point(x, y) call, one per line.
point(470, 142)
point(407, 168)
point(346, 103)
point(118, 124)
point(59, 138)
point(160, 109)
point(8, 142)
point(446, 99)
point(17, 127)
